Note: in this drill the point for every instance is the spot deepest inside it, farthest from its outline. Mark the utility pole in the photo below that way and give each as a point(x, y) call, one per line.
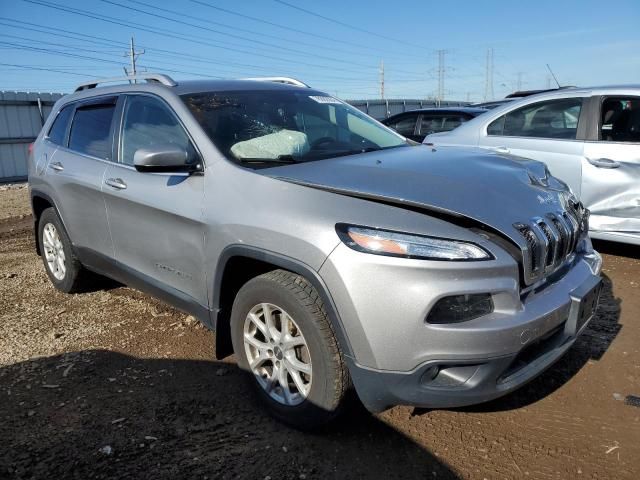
point(441, 72)
point(519, 82)
point(382, 79)
point(134, 56)
point(488, 79)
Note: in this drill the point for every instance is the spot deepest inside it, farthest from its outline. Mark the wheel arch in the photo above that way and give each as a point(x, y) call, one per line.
point(240, 263)
point(39, 203)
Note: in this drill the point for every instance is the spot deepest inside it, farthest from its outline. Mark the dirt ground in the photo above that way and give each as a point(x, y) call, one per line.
point(113, 383)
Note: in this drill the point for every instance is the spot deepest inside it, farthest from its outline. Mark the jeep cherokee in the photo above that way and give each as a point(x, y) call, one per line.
point(326, 250)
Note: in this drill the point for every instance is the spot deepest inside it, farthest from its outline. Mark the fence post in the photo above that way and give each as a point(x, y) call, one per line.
point(40, 112)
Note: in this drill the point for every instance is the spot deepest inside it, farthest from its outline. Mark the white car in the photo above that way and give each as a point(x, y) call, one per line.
point(588, 137)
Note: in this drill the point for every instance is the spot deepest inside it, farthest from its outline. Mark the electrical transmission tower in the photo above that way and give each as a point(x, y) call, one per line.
point(488, 82)
point(134, 57)
point(382, 79)
point(519, 82)
point(441, 73)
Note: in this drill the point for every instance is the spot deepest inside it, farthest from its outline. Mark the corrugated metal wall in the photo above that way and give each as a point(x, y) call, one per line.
point(21, 117)
point(381, 109)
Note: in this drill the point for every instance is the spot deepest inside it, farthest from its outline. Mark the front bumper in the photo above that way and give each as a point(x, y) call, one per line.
point(398, 358)
point(456, 383)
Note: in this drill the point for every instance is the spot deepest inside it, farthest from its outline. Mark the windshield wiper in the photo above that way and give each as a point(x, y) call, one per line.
point(280, 159)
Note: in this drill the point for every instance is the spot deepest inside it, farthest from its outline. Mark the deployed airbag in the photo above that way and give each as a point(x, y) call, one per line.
point(272, 146)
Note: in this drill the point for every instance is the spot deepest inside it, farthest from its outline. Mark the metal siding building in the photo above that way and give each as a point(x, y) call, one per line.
point(22, 115)
point(381, 109)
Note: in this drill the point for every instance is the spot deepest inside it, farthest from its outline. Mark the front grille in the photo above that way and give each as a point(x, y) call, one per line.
point(549, 241)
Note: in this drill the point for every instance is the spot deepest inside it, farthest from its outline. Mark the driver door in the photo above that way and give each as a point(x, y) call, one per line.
point(156, 219)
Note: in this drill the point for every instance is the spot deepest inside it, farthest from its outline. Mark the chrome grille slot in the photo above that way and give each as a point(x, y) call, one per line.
point(563, 243)
point(531, 259)
point(549, 242)
point(575, 227)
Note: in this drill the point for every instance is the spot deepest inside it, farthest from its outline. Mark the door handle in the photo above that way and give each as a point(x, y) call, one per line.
point(57, 166)
point(117, 183)
point(603, 162)
point(502, 149)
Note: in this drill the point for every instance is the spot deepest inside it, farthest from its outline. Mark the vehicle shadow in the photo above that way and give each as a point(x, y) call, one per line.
point(101, 414)
point(591, 345)
point(617, 249)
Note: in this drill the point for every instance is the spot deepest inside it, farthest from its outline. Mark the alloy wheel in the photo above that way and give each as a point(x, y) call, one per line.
point(54, 251)
point(277, 354)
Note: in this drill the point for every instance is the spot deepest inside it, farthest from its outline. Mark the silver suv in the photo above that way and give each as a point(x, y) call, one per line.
point(326, 250)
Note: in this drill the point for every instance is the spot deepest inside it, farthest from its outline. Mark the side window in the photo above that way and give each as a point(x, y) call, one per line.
point(147, 122)
point(620, 119)
point(550, 119)
point(91, 130)
point(439, 123)
point(405, 126)
point(58, 130)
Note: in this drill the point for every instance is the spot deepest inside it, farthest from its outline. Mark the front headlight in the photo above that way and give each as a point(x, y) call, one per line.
point(396, 244)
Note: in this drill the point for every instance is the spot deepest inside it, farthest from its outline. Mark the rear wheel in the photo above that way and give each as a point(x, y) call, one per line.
point(282, 337)
point(64, 270)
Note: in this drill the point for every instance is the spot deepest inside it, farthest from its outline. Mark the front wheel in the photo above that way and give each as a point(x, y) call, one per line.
point(282, 337)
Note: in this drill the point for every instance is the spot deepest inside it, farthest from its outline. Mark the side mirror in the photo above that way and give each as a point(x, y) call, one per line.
point(164, 158)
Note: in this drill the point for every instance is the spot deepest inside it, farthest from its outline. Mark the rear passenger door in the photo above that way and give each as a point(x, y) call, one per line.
point(550, 131)
point(75, 171)
point(611, 173)
point(156, 218)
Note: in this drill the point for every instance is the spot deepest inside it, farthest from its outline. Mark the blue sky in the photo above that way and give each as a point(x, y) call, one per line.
point(341, 53)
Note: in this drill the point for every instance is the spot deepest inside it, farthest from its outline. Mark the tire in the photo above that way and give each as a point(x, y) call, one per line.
point(57, 243)
point(290, 297)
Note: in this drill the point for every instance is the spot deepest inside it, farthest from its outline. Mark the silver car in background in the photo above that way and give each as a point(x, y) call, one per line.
point(588, 137)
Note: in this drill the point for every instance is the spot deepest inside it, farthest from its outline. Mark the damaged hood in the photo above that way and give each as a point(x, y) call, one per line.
point(496, 190)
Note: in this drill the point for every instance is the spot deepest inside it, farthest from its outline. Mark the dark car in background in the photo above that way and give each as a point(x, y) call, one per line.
point(417, 124)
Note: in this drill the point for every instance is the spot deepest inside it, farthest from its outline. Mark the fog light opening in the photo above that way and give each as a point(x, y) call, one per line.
point(460, 308)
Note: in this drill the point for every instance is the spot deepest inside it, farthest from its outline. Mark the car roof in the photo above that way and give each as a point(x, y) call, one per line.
point(200, 86)
point(442, 110)
point(183, 87)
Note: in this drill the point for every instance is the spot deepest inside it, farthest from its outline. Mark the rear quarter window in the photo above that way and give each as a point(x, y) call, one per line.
point(58, 131)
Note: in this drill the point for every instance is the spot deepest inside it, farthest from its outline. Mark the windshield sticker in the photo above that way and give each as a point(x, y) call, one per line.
point(322, 99)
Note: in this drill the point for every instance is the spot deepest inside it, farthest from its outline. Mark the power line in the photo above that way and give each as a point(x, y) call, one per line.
point(344, 24)
point(172, 34)
point(29, 67)
point(91, 39)
point(239, 29)
point(278, 25)
point(240, 37)
point(72, 55)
